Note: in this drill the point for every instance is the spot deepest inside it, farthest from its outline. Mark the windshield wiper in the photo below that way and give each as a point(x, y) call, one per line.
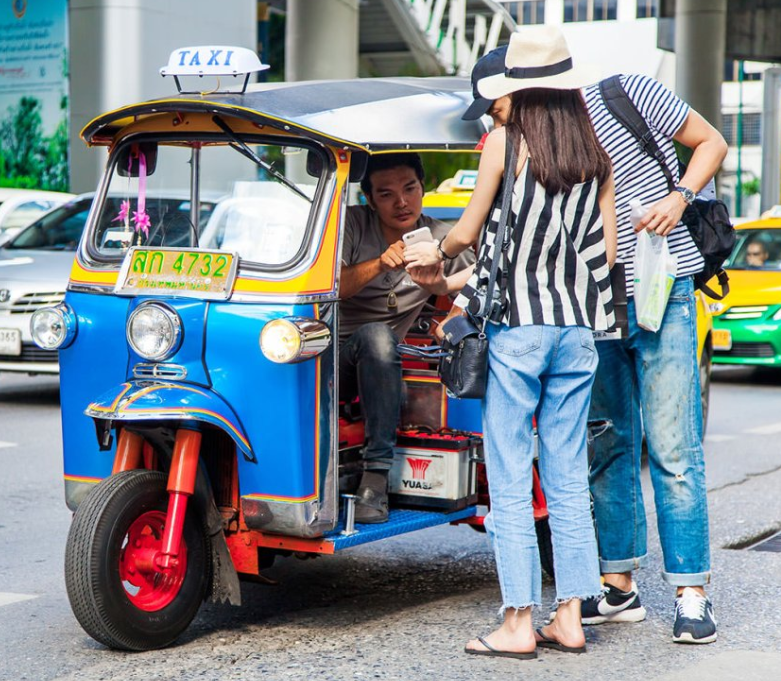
point(243, 148)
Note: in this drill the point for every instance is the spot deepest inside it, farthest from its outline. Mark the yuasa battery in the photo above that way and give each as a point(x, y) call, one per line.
point(435, 470)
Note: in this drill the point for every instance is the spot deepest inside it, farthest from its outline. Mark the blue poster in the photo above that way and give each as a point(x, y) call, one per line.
point(34, 94)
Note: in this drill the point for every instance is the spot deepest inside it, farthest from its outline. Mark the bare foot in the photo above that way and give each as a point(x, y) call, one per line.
point(567, 638)
point(501, 639)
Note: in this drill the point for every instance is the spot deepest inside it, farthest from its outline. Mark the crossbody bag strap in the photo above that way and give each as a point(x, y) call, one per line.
point(625, 112)
point(503, 231)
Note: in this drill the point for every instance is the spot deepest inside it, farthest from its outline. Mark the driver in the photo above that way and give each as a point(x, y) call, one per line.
point(756, 254)
point(379, 303)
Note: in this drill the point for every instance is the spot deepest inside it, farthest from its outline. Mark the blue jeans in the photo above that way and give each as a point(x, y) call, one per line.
point(654, 375)
point(370, 367)
point(549, 371)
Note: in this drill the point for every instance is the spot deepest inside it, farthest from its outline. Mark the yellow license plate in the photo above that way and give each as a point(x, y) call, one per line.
point(169, 271)
point(722, 339)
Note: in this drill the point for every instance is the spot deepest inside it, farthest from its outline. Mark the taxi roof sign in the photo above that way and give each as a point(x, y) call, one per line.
point(212, 60)
point(464, 180)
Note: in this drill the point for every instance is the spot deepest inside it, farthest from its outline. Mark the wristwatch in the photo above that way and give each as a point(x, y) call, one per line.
point(688, 194)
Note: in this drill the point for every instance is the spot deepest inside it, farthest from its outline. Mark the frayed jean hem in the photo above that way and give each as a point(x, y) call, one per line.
point(564, 601)
point(517, 608)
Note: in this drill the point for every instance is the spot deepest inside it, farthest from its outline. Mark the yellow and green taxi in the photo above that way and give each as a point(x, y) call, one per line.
point(747, 323)
point(448, 201)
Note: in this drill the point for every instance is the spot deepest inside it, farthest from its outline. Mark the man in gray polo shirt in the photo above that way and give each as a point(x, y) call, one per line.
point(379, 304)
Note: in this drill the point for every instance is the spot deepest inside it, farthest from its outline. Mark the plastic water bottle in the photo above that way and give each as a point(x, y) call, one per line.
point(637, 212)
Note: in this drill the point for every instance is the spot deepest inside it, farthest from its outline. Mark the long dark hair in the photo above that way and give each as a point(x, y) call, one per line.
point(563, 147)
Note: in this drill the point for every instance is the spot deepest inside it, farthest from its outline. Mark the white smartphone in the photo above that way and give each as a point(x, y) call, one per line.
point(417, 236)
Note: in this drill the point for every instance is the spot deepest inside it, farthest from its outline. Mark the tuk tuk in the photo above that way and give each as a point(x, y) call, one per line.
point(202, 428)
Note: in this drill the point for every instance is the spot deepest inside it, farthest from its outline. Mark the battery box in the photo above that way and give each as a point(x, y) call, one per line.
point(435, 470)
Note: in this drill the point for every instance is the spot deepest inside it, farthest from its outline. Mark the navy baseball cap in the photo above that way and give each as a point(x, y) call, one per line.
point(488, 65)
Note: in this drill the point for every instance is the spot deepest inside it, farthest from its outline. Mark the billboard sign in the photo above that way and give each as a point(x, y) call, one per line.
point(34, 94)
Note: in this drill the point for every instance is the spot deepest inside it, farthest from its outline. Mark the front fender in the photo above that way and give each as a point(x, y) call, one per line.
point(155, 400)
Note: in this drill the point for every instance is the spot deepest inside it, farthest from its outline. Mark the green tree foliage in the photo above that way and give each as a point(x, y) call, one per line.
point(440, 167)
point(751, 187)
point(21, 138)
point(29, 160)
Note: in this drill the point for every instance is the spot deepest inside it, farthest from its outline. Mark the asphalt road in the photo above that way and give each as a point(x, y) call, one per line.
point(401, 608)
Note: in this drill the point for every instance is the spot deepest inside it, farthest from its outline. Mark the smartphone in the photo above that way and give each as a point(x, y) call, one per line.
point(417, 236)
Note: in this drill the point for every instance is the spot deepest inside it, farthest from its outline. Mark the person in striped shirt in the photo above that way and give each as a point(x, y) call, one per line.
point(649, 382)
point(542, 356)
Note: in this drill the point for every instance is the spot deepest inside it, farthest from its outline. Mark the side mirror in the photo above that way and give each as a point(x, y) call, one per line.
point(358, 162)
point(314, 163)
point(129, 159)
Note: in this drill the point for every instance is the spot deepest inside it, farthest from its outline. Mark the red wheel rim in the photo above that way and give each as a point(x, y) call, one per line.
point(147, 586)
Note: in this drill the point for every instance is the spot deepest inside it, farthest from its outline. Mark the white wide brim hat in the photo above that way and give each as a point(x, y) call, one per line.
point(537, 57)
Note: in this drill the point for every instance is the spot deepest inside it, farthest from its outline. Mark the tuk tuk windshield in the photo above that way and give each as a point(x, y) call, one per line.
point(244, 207)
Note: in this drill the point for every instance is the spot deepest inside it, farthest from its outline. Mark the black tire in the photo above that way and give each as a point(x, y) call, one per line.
point(94, 553)
point(545, 545)
point(705, 376)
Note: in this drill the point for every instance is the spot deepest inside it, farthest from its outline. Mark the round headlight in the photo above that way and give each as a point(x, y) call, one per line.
point(280, 341)
point(294, 339)
point(154, 331)
point(53, 327)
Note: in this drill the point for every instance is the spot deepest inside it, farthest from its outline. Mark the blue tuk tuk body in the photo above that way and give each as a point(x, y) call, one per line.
point(190, 465)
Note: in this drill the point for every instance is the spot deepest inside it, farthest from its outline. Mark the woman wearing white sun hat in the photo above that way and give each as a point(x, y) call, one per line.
point(542, 358)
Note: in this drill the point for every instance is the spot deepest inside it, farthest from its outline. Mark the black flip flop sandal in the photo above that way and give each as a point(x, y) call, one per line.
point(493, 652)
point(553, 644)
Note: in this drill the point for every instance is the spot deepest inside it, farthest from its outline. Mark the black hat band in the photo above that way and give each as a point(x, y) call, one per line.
point(539, 71)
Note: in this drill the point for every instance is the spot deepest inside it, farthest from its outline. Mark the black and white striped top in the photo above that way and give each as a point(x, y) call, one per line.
point(558, 273)
point(636, 174)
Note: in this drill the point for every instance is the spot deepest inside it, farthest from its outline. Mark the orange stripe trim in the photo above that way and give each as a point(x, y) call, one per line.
point(81, 478)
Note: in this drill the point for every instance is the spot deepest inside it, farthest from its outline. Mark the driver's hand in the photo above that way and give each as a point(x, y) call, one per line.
point(431, 278)
point(664, 215)
point(393, 257)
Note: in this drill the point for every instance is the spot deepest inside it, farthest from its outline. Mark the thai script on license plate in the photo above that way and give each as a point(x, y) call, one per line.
point(169, 271)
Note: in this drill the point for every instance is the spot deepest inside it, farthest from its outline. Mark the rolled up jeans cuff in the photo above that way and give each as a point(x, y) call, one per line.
point(620, 566)
point(686, 579)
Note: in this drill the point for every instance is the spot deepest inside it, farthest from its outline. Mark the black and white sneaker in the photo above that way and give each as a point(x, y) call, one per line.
point(694, 618)
point(612, 605)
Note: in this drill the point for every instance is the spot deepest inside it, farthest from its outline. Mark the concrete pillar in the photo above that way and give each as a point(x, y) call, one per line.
point(321, 39)
point(700, 34)
point(771, 140)
point(321, 43)
point(117, 48)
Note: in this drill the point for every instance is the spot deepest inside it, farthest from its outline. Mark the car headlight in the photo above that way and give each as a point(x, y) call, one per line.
point(53, 328)
point(154, 331)
point(294, 339)
point(777, 316)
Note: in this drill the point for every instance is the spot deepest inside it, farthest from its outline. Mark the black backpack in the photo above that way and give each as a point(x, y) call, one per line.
point(707, 220)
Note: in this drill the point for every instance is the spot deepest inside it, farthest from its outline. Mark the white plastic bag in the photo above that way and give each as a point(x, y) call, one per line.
point(655, 271)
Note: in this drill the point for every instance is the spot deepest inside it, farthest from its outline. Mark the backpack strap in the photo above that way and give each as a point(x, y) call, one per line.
point(625, 112)
point(723, 279)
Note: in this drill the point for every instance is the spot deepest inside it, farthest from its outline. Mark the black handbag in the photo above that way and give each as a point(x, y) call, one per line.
point(707, 220)
point(463, 369)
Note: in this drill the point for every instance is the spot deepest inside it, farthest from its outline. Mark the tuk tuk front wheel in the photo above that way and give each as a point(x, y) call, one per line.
point(117, 593)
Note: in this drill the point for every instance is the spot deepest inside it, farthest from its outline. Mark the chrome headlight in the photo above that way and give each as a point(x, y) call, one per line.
point(154, 331)
point(294, 339)
point(53, 328)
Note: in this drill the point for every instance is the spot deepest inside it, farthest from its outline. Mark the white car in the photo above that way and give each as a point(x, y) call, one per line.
point(20, 207)
point(35, 266)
